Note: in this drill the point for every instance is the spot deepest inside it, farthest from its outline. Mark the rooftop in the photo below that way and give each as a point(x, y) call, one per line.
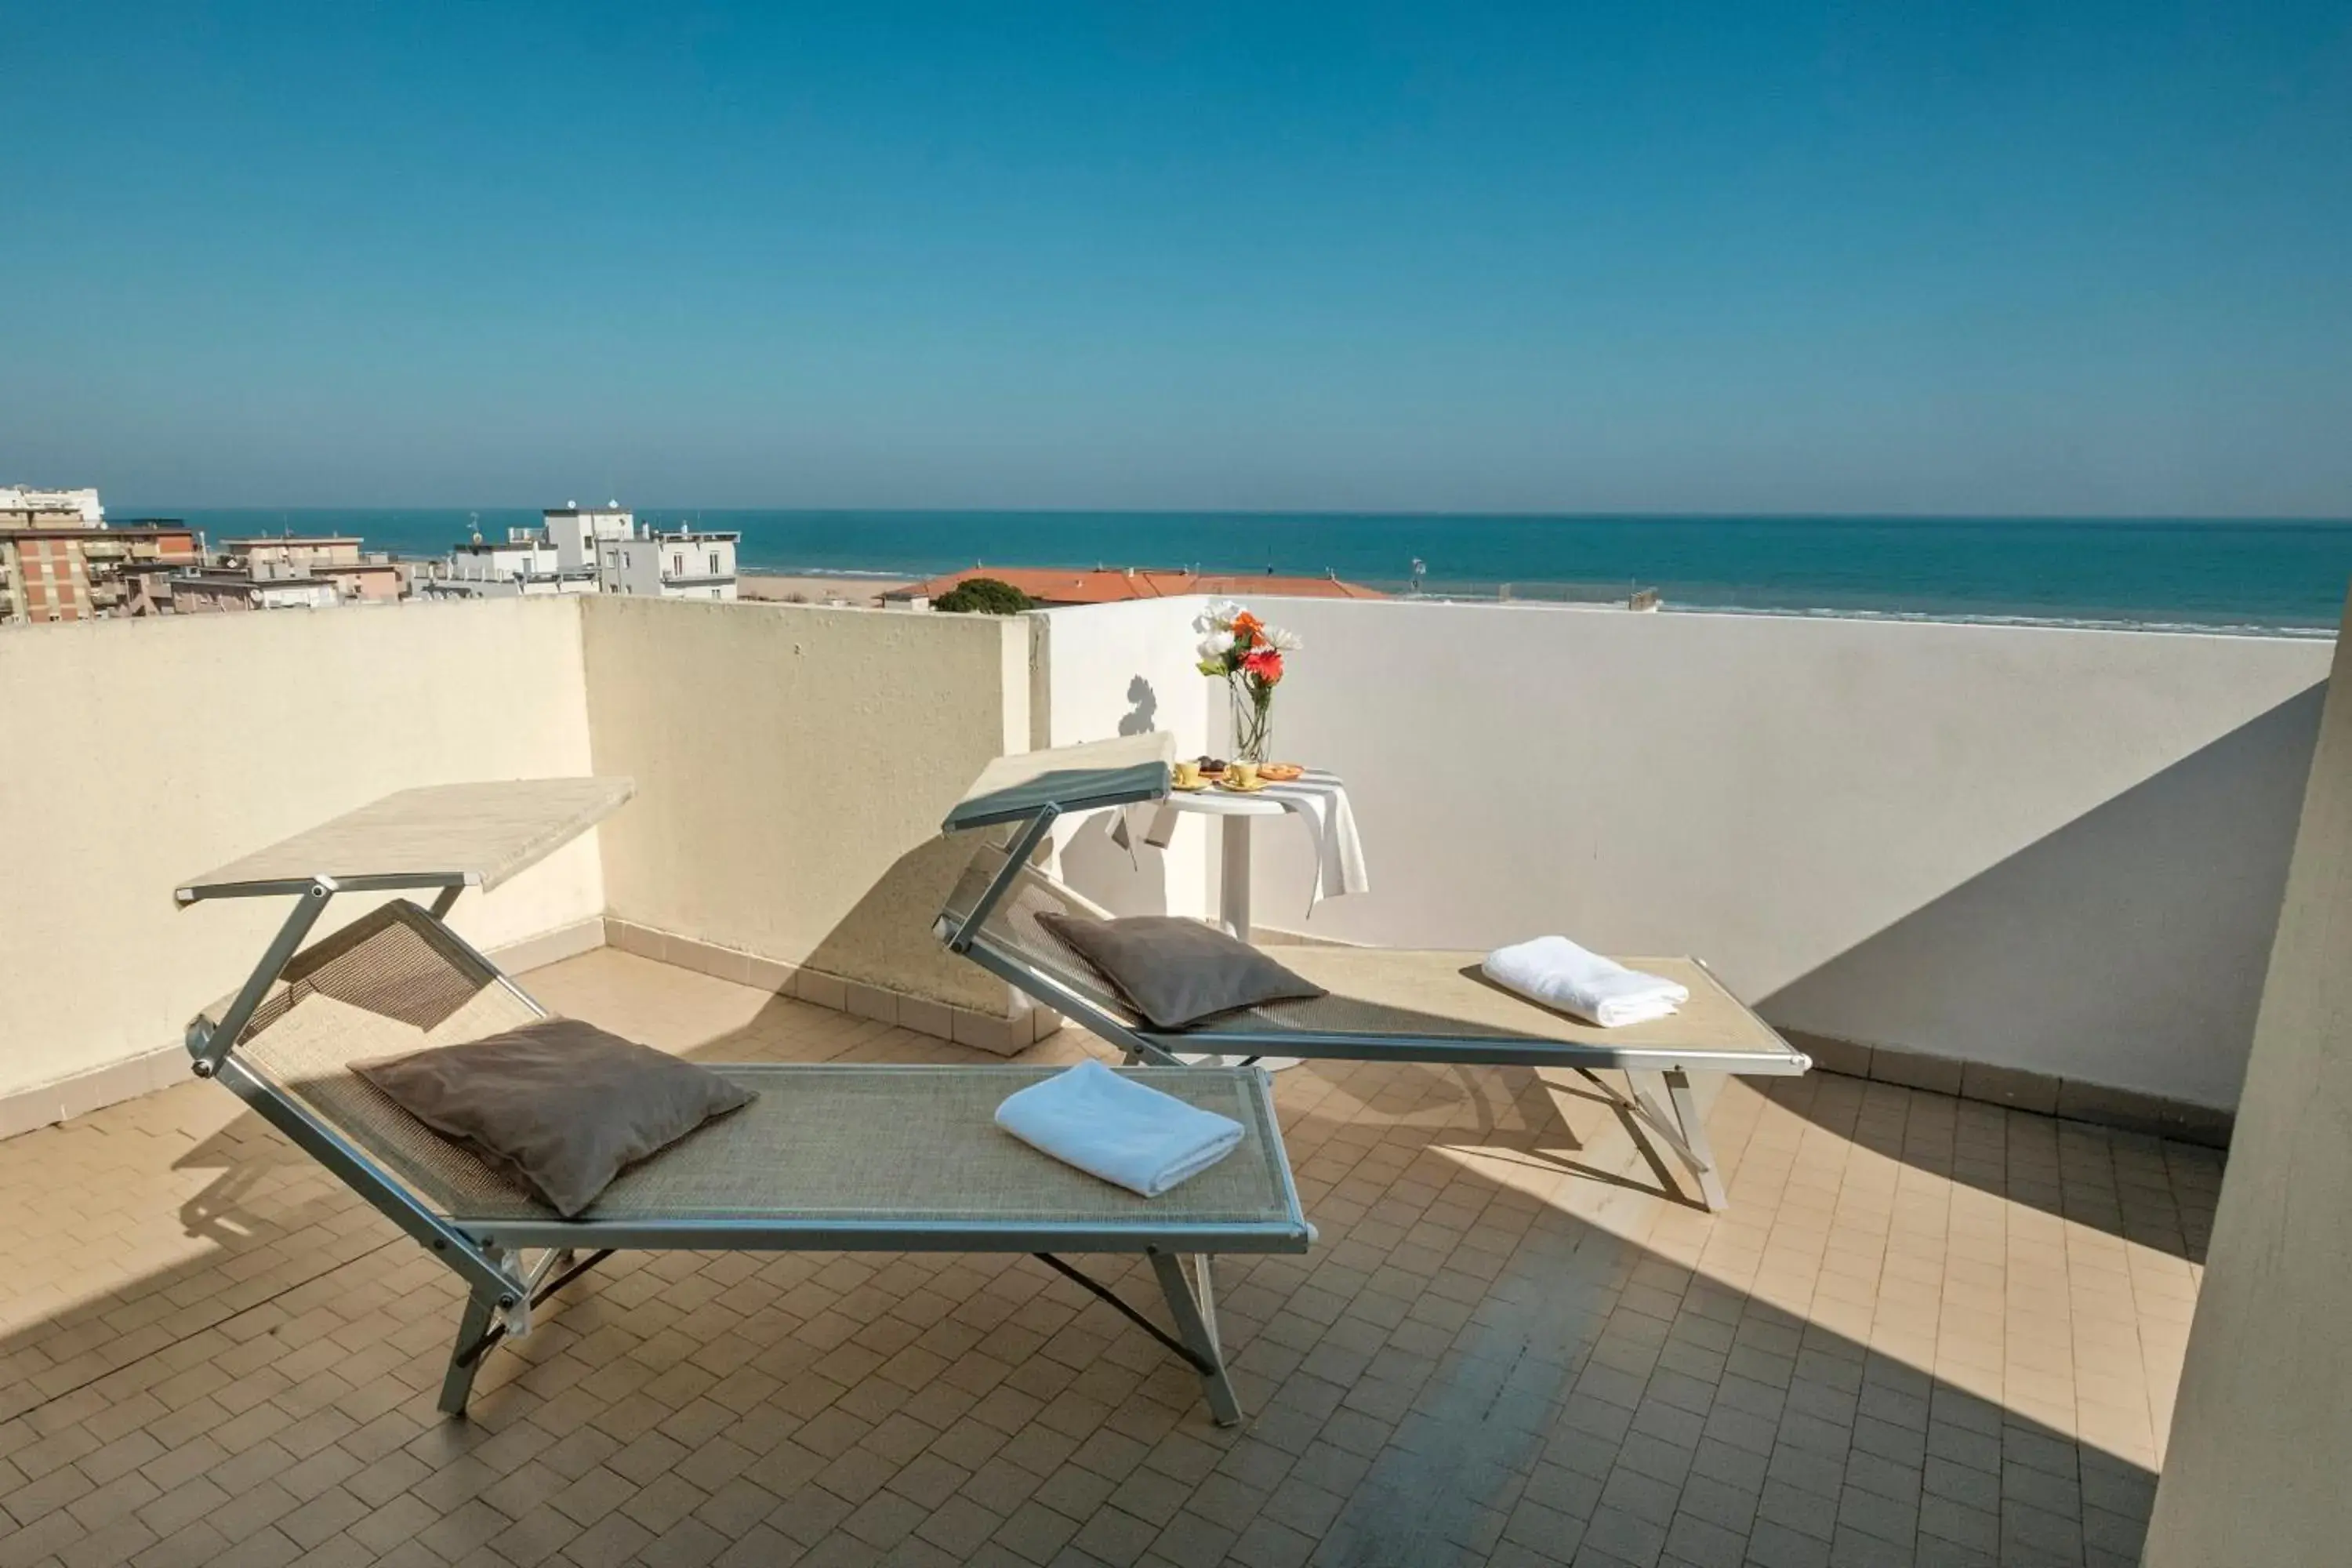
point(100, 533)
point(283, 540)
point(1924, 1326)
point(2018, 891)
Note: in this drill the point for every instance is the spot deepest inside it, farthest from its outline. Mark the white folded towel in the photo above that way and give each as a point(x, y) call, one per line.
point(1110, 1126)
point(1556, 973)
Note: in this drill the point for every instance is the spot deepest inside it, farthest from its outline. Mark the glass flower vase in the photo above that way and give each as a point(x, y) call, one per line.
point(1252, 708)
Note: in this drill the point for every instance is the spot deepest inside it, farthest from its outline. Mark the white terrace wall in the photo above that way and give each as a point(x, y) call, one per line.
point(134, 755)
point(1126, 669)
point(792, 765)
point(2055, 850)
point(2255, 1470)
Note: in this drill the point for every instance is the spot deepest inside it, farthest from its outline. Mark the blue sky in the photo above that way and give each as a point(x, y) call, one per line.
point(1777, 257)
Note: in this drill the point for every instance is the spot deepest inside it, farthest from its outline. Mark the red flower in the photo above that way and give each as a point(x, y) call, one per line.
point(1265, 666)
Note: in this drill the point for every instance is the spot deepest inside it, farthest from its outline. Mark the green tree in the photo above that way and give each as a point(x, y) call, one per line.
point(985, 596)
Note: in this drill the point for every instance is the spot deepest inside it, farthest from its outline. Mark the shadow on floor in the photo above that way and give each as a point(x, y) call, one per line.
point(1464, 1370)
point(2182, 876)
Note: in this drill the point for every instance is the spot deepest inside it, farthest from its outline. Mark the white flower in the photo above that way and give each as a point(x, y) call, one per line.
point(1216, 645)
point(1283, 641)
point(1222, 611)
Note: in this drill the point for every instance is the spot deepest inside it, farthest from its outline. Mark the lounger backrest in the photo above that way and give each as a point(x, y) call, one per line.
point(1013, 934)
point(390, 982)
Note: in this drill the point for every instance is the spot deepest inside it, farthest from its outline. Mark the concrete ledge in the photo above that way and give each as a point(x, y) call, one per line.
point(1274, 936)
point(551, 947)
point(84, 1092)
point(1002, 1037)
point(2018, 1089)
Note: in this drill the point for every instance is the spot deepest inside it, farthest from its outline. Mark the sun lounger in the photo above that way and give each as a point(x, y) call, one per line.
point(1385, 1004)
point(828, 1158)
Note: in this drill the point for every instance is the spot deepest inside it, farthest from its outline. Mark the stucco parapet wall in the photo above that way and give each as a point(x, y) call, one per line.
point(160, 1066)
point(2058, 851)
point(151, 749)
point(793, 763)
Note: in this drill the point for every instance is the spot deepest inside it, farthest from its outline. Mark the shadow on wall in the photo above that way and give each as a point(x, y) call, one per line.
point(2184, 872)
point(1126, 880)
point(1141, 719)
point(886, 938)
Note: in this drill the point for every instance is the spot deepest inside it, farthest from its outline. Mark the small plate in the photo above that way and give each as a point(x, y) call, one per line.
point(1242, 789)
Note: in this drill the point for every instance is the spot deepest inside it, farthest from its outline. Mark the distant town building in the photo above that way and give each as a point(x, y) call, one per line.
point(60, 561)
point(589, 549)
point(209, 590)
point(673, 563)
point(359, 578)
point(525, 562)
point(22, 506)
point(1057, 587)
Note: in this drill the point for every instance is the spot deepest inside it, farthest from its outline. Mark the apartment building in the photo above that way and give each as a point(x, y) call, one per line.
point(358, 576)
point(589, 549)
point(78, 571)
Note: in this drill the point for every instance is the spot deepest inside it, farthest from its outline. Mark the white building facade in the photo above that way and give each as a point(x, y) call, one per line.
point(524, 564)
point(684, 563)
point(26, 506)
point(588, 550)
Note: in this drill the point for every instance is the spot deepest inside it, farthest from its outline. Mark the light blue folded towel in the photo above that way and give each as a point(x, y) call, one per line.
point(1108, 1125)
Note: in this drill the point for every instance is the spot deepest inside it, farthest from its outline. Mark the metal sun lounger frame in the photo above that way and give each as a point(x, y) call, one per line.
point(1025, 795)
point(505, 1284)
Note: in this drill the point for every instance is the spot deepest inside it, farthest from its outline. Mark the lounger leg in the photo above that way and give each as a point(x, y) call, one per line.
point(1701, 1152)
point(1681, 1129)
point(1195, 1320)
point(465, 1357)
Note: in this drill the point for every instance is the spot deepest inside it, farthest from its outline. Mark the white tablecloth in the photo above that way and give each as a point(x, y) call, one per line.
point(1320, 802)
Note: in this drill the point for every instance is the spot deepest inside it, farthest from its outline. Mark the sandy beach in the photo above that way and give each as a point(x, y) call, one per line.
point(861, 591)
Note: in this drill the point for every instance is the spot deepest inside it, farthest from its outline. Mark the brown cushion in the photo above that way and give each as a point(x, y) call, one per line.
point(564, 1104)
point(1178, 971)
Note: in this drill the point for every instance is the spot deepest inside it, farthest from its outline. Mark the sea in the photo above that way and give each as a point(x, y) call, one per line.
point(2286, 577)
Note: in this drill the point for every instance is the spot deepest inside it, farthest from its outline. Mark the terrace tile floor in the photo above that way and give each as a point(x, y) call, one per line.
point(1927, 1330)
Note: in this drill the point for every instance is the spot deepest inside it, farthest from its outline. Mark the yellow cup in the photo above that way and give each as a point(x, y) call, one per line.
point(1242, 775)
point(1188, 775)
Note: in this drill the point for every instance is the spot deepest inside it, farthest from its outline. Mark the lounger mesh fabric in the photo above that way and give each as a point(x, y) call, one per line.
point(1394, 991)
point(1376, 992)
point(868, 1157)
point(393, 961)
point(846, 1142)
point(1013, 926)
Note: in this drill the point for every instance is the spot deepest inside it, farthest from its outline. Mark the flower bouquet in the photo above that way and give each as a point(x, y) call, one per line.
point(1245, 654)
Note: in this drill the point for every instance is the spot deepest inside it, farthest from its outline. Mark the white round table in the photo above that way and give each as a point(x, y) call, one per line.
point(1235, 814)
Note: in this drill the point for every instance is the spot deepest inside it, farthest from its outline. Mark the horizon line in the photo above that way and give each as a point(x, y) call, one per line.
point(1305, 513)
